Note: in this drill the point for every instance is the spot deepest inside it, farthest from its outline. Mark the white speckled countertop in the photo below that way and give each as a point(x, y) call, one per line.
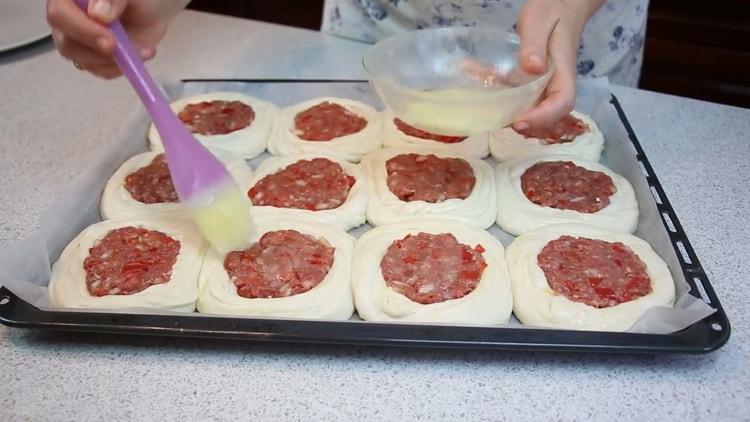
point(53, 118)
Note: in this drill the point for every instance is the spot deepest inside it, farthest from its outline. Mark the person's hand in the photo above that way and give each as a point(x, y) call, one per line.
point(84, 39)
point(554, 27)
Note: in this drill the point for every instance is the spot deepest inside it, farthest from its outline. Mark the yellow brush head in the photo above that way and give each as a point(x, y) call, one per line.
point(223, 216)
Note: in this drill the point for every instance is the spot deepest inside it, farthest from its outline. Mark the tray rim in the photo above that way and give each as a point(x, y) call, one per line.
point(701, 337)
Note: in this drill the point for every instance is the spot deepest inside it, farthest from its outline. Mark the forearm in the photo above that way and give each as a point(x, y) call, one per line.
point(580, 11)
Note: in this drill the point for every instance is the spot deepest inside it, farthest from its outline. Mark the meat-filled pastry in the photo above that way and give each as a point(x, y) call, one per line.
point(574, 134)
point(553, 189)
point(292, 269)
point(439, 271)
point(138, 262)
point(310, 186)
point(228, 123)
point(339, 126)
point(408, 183)
point(399, 134)
point(575, 276)
point(143, 185)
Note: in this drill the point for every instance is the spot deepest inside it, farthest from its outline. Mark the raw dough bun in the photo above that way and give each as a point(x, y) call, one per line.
point(331, 299)
point(349, 215)
point(518, 214)
point(489, 303)
point(506, 144)
point(118, 203)
point(352, 147)
point(476, 146)
point(535, 303)
point(245, 143)
point(479, 209)
point(67, 288)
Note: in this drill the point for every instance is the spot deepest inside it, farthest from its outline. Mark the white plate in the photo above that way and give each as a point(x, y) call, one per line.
point(22, 22)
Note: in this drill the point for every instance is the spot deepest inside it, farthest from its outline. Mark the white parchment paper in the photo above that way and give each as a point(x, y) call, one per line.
point(25, 266)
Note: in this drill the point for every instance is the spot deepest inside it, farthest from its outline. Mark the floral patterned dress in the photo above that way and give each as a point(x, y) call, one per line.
point(611, 45)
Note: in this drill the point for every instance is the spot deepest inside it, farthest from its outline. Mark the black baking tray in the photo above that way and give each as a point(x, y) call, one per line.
point(704, 336)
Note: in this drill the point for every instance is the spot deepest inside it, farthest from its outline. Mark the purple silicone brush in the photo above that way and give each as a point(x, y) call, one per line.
point(200, 179)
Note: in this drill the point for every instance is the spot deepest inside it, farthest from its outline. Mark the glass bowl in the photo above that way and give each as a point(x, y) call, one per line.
point(454, 81)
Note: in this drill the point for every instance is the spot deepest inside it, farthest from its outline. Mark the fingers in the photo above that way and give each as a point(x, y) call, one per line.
point(559, 96)
point(83, 38)
point(76, 51)
point(110, 71)
point(558, 102)
point(84, 41)
point(90, 60)
point(66, 17)
point(106, 11)
point(146, 52)
point(84, 56)
point(536, 23)
point(475, 68)
point(483, 73)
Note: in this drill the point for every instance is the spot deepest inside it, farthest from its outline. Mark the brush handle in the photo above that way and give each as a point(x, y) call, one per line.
point(185, 155)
